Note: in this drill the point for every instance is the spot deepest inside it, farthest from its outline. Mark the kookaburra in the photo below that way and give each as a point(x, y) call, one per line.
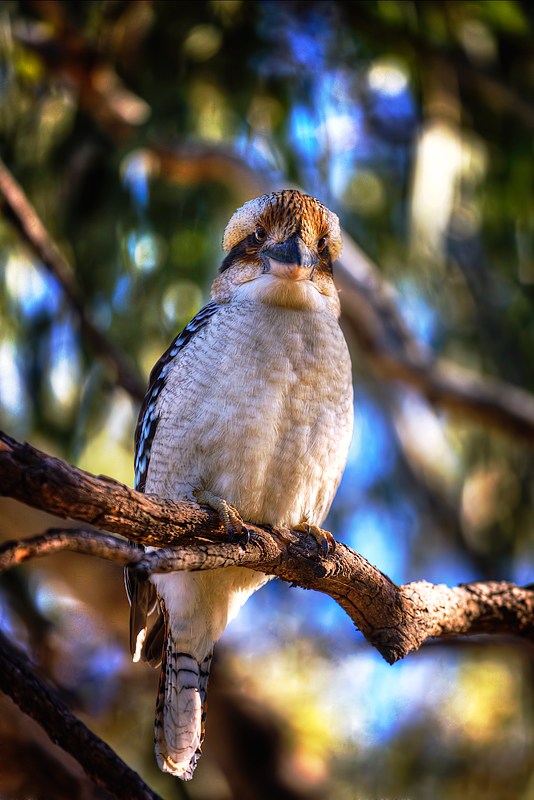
point(249, 409)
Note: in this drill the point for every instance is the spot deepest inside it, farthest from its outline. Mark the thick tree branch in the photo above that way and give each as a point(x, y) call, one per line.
point(394, 619)
point(36, 699)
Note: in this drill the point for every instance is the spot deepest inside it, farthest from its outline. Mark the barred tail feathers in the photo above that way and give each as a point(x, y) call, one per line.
point(180, 710)
point(196, 607)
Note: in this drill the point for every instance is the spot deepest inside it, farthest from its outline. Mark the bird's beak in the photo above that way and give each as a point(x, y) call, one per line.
point(291, 259)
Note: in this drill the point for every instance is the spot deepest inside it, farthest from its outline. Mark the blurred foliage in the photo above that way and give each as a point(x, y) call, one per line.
point(136, 128)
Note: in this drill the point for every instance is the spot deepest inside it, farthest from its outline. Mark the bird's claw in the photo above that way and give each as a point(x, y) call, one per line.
point(324, 539)
point(229, 516)
point(245, 536)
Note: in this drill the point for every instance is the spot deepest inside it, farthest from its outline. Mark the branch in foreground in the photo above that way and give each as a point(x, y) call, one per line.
point(36, 700)
point(92, 543)
point(393, 619)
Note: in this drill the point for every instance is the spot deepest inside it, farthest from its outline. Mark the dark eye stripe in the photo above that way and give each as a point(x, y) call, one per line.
point(246, 247)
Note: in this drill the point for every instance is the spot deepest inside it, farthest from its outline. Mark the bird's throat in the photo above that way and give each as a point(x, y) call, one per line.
point(285, 292)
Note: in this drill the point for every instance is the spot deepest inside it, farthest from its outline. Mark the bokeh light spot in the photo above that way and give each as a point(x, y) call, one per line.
point(12, 389)
point(181, 301)
point(365, 193)
point(202, 42)
point(144, 251)
point(388, 76)
point(28, 285)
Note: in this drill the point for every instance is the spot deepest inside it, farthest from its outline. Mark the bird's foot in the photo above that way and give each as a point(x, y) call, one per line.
point(228, 515)
point(324, 539)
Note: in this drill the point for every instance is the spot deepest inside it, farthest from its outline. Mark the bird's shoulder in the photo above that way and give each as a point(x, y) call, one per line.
point(148, 416)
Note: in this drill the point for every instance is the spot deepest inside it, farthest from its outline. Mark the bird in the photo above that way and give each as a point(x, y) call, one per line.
point(250, 412)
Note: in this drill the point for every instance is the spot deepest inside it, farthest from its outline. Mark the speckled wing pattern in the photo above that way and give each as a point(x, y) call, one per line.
point(148, 417)
point(142, 594)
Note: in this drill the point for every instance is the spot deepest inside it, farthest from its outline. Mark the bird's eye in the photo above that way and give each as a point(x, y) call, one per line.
point(260, 234)
point(321, 244)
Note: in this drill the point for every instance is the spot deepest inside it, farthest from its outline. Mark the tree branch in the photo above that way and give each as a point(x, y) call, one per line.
point(393, 619)
point(392, 353)
point(18, 209)
point(93, 543)
point(37, 700)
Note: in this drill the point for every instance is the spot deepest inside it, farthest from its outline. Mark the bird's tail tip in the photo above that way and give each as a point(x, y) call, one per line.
point(183, 770)
point(180, 711)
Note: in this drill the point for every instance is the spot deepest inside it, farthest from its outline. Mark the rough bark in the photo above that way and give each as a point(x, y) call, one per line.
point(393, 619)
point(40, 703)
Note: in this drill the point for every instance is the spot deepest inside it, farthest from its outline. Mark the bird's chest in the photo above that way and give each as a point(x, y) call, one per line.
point(257, 406)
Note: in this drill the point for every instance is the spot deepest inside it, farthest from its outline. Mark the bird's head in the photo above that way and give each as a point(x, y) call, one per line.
point(280, 250)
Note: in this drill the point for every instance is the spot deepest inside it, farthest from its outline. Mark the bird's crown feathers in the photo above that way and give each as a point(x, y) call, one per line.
point(288, 209)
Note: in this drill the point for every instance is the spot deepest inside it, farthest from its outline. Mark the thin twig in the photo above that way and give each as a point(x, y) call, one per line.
point(18, 209)
point(54, 540)
point(94, 543)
